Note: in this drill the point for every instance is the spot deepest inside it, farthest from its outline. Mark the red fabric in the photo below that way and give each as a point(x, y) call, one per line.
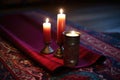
point(29, 38)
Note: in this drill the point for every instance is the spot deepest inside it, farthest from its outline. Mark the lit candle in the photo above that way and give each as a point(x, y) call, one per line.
point(71, 48)
point(72, 34)
point(60, 25)
point(47, 30)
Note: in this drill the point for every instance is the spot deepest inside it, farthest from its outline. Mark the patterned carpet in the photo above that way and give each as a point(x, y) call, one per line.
point(15, 65)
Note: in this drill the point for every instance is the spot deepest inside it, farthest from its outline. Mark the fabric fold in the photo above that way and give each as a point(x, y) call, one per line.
point(29, 39)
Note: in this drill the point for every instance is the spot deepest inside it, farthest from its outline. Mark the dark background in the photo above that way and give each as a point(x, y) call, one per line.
point(25, 3)
point(98, 15)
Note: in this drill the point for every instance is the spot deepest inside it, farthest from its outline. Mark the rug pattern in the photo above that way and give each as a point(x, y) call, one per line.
point(23, 68)
point(4, 73)
point(20, 66)
point(15, 65)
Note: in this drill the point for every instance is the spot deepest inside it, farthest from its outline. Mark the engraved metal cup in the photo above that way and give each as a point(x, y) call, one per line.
point(71, 49)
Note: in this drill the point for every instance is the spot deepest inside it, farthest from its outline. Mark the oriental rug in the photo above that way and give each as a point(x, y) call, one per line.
point(16, 65)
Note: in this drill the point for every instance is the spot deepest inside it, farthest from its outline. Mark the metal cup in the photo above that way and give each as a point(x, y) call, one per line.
point(71, 49)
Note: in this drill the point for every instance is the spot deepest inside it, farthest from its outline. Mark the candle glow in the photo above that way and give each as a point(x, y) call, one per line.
point(61, 11)
point(47, 20)
point(47, 30)
point(72, 34)
point(61, 17)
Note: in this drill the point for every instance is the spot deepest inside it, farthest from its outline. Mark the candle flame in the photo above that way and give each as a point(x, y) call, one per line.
point(61, 11)
point(72, 32)
point(47, 20)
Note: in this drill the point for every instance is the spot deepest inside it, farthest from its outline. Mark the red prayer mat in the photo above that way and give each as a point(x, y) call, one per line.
point(28, 37)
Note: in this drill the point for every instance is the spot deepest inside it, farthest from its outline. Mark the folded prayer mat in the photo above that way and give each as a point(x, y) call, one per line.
point(28, 37)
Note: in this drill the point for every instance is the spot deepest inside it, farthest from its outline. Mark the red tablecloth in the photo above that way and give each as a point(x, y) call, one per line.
point(28, 37)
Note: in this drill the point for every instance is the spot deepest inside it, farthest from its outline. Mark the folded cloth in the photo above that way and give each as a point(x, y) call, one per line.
point(29, 38)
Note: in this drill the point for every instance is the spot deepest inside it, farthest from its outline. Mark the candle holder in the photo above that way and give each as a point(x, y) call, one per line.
point(59, 51)
point(71, 49)
point(47, 48)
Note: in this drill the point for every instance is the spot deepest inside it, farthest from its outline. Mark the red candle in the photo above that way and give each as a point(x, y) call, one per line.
point(47, 30)
point(60, 25)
